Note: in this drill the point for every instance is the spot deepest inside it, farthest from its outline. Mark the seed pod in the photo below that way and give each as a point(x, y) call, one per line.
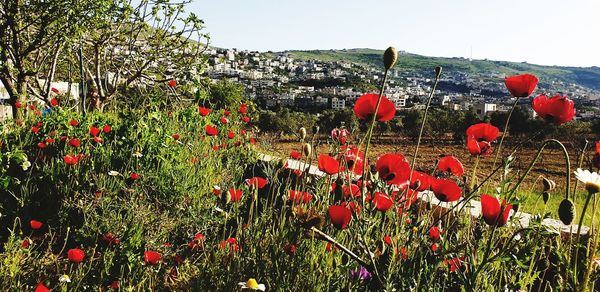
point(548, 184)
point(566, 211)
point(307, 149)
point(545, 197)
point(302, 133)
point(390, 57)
point(438, 71)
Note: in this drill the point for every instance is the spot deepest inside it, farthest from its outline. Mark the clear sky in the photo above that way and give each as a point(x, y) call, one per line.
point(548, 32)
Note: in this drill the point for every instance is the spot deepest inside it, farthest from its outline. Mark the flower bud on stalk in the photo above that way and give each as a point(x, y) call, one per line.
point(302, 133)
point(390, 57)
point(307, 149)
point(566, 211)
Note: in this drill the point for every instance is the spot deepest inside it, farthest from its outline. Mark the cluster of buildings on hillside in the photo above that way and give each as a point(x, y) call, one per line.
point(278, 80)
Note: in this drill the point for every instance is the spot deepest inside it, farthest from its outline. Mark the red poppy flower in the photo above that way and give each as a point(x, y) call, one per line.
point(404, 253)
point(434, 247)
point(224, 120)
point(211, 131)
point(35, 225)
point(364, 108)
point(490, 209)
point(446, 190)
point(246, 119)
point(420, 181)
point(340, 216)
point(408, 198)
point(134, 176)
point(74, 122)
point(74, 143)
point(114, 285)
point(41, 145)
point(172, 83)
point(18, 104)
point(176, 137)
point(557, 109)
point(340, 135)
point(393, 168)
point(25, 243)
point(106, 128)
point(111, 239)
point(290, 249)
point(243, 108)
point(49, 140)
point(257, 182)
point(451, 164)
point(354, 159)
point(54, 90)
point(41, 288)
point(521, 85)
point(230, 134)
point(151, 257)
point(235, 195)
point(54, 102)
point(434, 233)
point(299, 197)
point(76, 255)
point(71, 159)
point(98, 139)
point(226, 113)
point(352, 190)
point(197, 243)
point(94, 131)
point(328, 164)
point(35, 129)
point(252, 141)
point(295, 155)
point(203, 111)
point(454, 263)
point(382, 202)
point(388, 240)
point(479, 139)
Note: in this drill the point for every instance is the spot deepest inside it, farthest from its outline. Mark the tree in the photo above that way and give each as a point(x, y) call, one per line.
point(149, 42)
point(33, 34)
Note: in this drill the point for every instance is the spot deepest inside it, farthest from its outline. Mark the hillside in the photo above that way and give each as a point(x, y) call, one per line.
point(587, 77)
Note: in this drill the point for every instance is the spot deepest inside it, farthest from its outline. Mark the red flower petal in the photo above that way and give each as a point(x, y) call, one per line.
point(295, 155)
point(364, 107)
point(151, 257)
point(94, 131)
point(256, 181)
point(393, 168)
point(382, 202)
point(446, 190)
point(521, 85)
point(557, 109)
point(203, 111)
point(211, 131)
point(490, 210)
point(340, 216)
point(235, 195)
point(76, 255)
point(35, 225)
point(328, 164)
point(451, 164)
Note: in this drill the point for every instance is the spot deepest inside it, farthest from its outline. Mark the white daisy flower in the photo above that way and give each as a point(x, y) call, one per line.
point(252, 285)
point(137, 154)
point(113, 173)
point(591, 180)
point(26, 165)
point(64, 279)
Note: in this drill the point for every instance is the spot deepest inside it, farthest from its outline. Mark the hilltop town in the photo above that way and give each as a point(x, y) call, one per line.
point(279, 79)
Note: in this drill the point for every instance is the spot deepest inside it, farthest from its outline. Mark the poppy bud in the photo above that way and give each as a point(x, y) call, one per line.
point(438, 71)
point(302, 133)
point(548, 184)
point(390, 57)
point(566, 211)
point(307, 149)
point(545, 197)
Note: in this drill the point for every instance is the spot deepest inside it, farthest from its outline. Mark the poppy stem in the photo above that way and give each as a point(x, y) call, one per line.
point(370, 133)
point(504, 131)
point(341, 247)
point(474, 175)
point(438, 73)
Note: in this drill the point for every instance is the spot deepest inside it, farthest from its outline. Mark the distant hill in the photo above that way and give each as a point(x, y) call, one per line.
point(587, 77)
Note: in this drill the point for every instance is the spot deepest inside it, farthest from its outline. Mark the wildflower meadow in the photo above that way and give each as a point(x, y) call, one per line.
point(184, 197)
